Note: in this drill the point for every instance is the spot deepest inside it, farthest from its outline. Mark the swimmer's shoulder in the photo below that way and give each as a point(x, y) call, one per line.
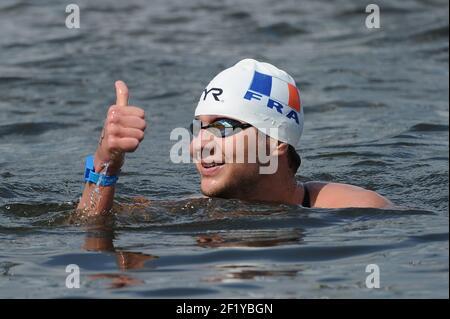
point(338, 195)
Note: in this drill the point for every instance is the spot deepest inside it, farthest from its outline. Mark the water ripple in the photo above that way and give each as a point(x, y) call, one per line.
point(32, 128)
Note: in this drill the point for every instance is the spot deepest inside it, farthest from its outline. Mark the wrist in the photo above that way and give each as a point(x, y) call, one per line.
point(113, 162)
point(102, 178)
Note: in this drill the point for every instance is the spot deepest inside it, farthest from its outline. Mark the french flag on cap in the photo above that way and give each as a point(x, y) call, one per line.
point(277, 89)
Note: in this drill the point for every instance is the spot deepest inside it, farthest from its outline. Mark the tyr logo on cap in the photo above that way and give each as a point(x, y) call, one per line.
point(215, 92)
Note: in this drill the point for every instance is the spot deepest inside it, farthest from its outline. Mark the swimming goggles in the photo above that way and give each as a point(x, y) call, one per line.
point(220, 128)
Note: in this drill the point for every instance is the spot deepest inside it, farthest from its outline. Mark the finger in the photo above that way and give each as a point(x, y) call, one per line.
point(125, 144)
point(121, 93)
point(133, 110)
point(132, 122)
point(129, 110)
point(124, 132)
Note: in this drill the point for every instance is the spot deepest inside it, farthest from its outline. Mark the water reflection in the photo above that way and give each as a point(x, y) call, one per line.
point(100, 237)
point(238, 273)
point(250, 238)
point(117, 280)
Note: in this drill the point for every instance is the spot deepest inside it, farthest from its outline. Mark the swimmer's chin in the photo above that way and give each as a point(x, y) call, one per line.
point(217, 192)
point(208, 192)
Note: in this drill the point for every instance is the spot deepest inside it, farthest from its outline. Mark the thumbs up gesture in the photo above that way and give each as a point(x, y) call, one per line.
point(122, 132)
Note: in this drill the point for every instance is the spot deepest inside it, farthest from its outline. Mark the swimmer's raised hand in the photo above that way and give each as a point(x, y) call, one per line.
point(122, 132)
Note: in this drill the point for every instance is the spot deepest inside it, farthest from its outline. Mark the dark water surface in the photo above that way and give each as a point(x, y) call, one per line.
point(376, 115)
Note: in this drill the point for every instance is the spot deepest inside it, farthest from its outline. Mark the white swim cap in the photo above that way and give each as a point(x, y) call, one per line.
point(257, 93)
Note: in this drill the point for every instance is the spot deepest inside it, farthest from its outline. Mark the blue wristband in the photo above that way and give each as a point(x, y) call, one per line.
point(100, 179)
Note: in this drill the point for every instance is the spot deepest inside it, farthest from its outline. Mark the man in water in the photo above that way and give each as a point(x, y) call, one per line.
point(243, 103)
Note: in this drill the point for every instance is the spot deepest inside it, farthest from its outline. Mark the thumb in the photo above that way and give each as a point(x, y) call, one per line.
point(121, 93)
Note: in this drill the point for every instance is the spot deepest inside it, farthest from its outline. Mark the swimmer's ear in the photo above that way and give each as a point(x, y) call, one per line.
point(277, 148)
point(282, 148)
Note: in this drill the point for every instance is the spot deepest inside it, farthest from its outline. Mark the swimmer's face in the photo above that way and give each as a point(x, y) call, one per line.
point(223, 162)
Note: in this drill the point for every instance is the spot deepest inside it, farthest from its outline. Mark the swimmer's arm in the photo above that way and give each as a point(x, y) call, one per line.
point(336, 195)
point(96, 201)
point(99, 199)
point(123, 131)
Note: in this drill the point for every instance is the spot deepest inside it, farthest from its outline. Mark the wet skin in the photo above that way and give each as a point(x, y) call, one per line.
point(124, 130)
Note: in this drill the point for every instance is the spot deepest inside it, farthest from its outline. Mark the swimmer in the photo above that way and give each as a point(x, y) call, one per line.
point(242, 103)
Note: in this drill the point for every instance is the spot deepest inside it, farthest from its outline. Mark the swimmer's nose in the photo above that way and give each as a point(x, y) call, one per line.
point(121, 93)
point(203, 142)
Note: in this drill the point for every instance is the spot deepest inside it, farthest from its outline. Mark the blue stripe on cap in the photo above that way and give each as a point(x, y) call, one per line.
point(261, 83)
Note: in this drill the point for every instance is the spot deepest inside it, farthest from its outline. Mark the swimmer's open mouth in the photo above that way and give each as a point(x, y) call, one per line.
point(210, 165)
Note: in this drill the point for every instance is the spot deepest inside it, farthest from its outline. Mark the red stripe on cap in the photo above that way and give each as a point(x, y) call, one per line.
point(294, 98)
